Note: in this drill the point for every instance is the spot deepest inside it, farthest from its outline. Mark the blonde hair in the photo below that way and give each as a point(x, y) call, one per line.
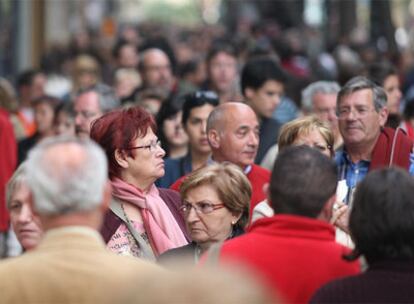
point(304, 125)
point(231, 184)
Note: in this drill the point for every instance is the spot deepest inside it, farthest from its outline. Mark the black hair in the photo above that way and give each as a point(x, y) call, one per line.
point(168, 109)
point(259, 70)
point(49, 100)
point(26, 78)
point(379, 71)
point(221, 46)
point(302, 181)
point(116, 51)
point(382, 216)
point(198, 99)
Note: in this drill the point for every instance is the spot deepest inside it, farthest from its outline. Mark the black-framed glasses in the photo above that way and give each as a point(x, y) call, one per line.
point(200, 207)
point(151, 147)
point(206, 94)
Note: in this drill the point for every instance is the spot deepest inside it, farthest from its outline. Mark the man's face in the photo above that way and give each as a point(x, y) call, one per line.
point(44, 115)
point(222, 72)
point(265, 99)
point(128, 57)
point(359, 123)
point(196, 128)
point(87, 110)
point(238, 136)
point(324, 107)
point(157, 70)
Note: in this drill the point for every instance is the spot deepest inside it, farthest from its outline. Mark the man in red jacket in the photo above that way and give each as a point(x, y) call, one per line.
point(233, 136)
point(294, 252)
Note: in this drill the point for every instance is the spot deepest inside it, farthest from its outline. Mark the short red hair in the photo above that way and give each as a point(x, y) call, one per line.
point(118, 129)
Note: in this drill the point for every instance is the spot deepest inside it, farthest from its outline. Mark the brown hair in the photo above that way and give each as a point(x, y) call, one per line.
point(232, 186)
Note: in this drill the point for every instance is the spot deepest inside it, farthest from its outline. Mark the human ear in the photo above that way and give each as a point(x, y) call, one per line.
point(383, 116)
point(120, 158)
point(214, 138)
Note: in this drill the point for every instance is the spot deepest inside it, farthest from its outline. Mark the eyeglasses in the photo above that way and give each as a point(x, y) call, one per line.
point(200, 207)
point(151, 147)
point(343, 113)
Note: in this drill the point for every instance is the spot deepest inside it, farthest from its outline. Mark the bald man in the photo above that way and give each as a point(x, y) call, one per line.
point(233, 135)
point(156, 71)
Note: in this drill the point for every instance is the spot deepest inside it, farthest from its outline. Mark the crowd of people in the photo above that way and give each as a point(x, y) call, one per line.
point(170, 157)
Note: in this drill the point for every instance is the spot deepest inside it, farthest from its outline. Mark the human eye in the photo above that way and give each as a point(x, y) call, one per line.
point(185, 207)
point(15, 205)
point(241, 132)
point(320, 147)
point(343, 111)
point(195, 121)
point(205, 207)
point(362, 111)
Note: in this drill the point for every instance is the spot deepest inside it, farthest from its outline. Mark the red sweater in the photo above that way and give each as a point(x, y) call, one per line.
point(292, 255)
point(257, 176)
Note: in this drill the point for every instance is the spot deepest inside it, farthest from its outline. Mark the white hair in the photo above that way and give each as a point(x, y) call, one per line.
point(322, 87)
point(67, 182)
point(18, 178)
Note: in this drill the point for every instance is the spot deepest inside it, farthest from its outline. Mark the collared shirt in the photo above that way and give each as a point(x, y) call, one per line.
point(353, 173)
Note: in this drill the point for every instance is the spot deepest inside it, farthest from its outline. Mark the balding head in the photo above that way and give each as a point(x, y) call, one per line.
point(233, 133)
point(66, 175)
point(155, 68)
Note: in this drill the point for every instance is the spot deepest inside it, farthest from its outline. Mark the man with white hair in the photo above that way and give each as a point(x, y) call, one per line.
point(90, 104)
point(319, 99)
point(70, 194)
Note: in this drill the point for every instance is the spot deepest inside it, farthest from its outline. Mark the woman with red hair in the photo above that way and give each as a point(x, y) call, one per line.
point(143, 221)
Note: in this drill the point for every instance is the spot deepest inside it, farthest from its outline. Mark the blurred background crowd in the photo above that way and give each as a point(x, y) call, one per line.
point(66, 65)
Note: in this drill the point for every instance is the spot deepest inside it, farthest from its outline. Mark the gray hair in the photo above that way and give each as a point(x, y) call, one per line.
point(361, 83)
point(318, 87)
point(18, 178)
point(107, 98)
point(67, 182)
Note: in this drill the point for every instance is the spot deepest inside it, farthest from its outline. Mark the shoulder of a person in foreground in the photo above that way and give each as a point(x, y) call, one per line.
point(336, 291)
point(260, 171)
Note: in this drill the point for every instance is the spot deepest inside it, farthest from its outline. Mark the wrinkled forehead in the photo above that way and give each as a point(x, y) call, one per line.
point(363, 97)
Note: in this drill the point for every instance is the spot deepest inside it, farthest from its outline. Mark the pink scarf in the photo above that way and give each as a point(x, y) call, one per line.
point(160, 225)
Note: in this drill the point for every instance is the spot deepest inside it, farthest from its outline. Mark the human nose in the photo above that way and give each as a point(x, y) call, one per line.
point(25, 214)
point(253, 139)
point(204, 127)
point(192, 215)
point(159, 151)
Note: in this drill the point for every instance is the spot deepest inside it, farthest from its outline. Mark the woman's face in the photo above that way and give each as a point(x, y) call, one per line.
point(196, 127)
point(392, 88)
point(313, 139)
point(44, 115)
point(206, 229)
point(174, 131)
point(147, 163)
point(26, 225)
point(65, 124)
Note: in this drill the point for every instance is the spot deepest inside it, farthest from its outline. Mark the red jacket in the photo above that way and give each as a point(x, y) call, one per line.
point(257, 176)
point(292, 255)
point(8, 160)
